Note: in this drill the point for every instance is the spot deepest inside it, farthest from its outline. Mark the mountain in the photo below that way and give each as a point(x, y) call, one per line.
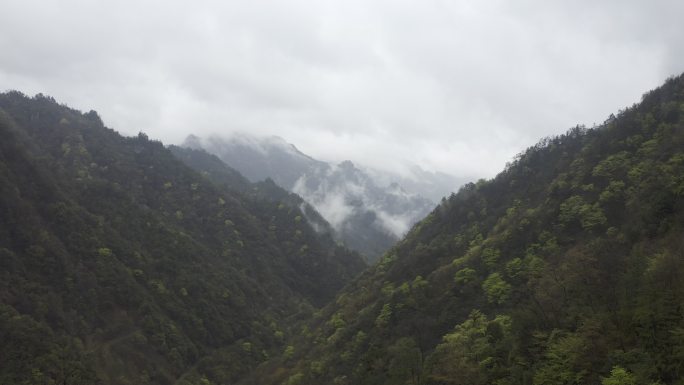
point(259, 158)
point(366, 217)
point(262, 193)
point(432, 185)
point(368, 209)
point(566, 268)
point(120, 264)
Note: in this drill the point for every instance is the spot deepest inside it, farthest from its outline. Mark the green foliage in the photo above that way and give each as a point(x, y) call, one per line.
point(386, 261)
point(497, 290)
point(419, 283)
point(619, 376)
point(575, 209)
point(337, 321)
point(565, 265)
point(289, 352)
point(563, 363)
point(565, 268)
point(387, 289)
point(406, 362)
point(613, 191)
point(384, 317)
point(465, 276)
point(614, 166)
point(295, 379)
point(471, 350)
point(121, 264)
point(490, 256)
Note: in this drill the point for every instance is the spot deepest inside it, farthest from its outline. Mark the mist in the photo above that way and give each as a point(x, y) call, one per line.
point(450, 86)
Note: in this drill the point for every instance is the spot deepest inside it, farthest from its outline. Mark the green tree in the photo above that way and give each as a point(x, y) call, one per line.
point(497, 289)
point(457, 360)
point(619, 376)
point(406, 362)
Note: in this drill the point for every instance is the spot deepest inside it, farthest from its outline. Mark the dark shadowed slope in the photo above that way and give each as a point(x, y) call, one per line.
point(298, 230)
point(119, 263)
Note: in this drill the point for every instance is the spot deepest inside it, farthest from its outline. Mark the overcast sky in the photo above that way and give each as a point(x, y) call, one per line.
point(455, 86)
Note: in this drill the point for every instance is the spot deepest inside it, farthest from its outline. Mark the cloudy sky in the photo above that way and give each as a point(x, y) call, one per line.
point(455, 86)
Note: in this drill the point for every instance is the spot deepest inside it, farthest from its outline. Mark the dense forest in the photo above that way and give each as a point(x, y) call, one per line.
point(566, 268)
point(120, 264)
point(126, 262)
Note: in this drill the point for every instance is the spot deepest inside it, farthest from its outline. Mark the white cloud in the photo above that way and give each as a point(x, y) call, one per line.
point(458, 87)
point(330, 203)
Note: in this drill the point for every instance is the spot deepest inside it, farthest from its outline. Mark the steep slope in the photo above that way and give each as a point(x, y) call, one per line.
point(367, 216)
point(566, 268)
point(324, 265)
point(220, 173)
point(120, 263)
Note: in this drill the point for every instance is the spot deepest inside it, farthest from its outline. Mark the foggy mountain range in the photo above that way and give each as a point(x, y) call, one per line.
point(341, 192)
point(369, 209)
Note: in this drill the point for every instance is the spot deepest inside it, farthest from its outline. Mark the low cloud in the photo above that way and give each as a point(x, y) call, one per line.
point(458, 87)
point(332, 206)
point(343, 193)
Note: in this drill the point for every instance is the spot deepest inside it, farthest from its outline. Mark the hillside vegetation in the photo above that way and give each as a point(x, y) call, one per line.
point(566, 268)
point(125, 262)
point(119, 264)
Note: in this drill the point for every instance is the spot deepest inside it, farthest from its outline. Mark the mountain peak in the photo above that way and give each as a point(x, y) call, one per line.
point(347, 165)
point(193, 142)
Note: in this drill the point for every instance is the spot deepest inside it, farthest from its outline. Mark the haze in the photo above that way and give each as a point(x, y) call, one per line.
point(453, 86)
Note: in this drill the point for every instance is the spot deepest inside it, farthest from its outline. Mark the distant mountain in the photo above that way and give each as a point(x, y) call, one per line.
point(120, 264)
point(259, 158)
point(433, 185)
point(369, 209)
point(367, 218)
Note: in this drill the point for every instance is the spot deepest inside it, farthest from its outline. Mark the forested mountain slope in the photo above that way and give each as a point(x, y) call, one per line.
point(121, 265)
point(566, 268)
point(325, 265)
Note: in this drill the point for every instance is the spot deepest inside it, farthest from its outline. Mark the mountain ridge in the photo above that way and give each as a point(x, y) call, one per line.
point(124, 261)
point(121, 264)
point(565, 268)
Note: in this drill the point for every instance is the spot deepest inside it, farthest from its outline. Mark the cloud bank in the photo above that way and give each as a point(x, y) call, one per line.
point(457, 87)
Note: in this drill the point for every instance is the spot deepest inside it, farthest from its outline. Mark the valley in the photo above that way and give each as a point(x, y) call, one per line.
point(125, 261)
